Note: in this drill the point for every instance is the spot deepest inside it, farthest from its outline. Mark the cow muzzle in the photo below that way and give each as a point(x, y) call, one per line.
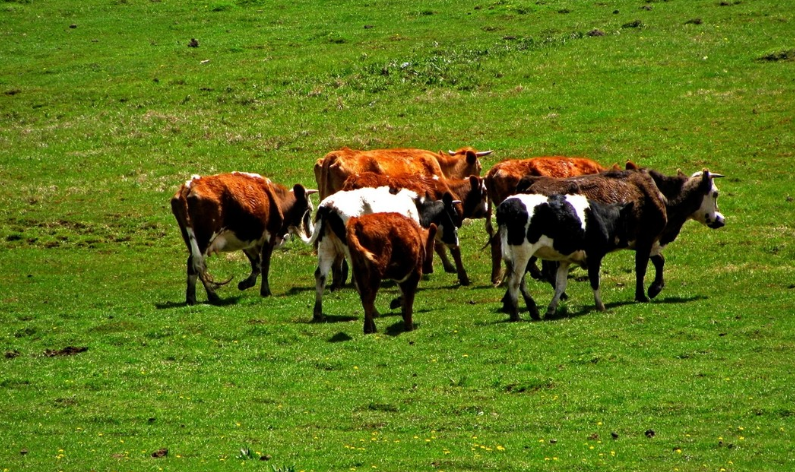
point(719, 222)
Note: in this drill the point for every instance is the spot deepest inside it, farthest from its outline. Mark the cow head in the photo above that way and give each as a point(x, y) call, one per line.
point(476, 201)
point(298, 219)
point(708, 213)
point(468, 162)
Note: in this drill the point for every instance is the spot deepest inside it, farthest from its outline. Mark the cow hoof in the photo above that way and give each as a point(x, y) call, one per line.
point(318, 318)
point(265, 293)
point(464, 281)
point(244, 284)
point(641, 298)
point(655, 290)
point(535, 316)
point(514, 318)
point(190, 301)
point(395, 303)
point(450, 270)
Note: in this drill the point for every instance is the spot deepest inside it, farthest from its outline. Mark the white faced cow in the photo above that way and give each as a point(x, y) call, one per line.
point(569, 229)
point(238, 212)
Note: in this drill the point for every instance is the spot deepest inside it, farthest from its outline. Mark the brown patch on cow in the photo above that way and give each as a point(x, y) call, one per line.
point(163, 452)
point(67, 351)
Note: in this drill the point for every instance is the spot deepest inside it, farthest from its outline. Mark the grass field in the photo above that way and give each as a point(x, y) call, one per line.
point(105, 110)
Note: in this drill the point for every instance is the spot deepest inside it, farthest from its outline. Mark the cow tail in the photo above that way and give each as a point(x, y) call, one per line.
point(179, 207)
point(320, 220)
point(356, 246)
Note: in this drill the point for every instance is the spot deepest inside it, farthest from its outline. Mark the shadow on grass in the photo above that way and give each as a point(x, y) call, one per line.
point(224, 302)
point(563, 313)
point(339, 338)
point(335, 319)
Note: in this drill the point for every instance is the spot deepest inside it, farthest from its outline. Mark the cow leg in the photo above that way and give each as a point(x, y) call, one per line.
point(326, 256)
point(515, 284)
point(561, 279)
point(265, 263)
point(496, 261)
point(594, 267)
point(641, 262)
point(528, 300)
point(463, 278)
point(408, 290)
point(535, 272)
point(368, 289)
point(254, 258)
point(339, 273)
point(440, 251)
point(190, 292)
point(659, 283)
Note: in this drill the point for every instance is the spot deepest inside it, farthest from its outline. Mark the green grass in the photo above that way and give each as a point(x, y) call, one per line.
point(105, 110)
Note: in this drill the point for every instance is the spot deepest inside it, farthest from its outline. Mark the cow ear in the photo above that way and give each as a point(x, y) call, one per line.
point(474, 181)
point(631, 166)
point(299, 191)
point(447, 198)
point(680, 173)
point(472, 157)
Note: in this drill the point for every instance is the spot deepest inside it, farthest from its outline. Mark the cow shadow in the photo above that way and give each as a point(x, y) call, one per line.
point(229, 301)
point(335, 319)
point(563, 313)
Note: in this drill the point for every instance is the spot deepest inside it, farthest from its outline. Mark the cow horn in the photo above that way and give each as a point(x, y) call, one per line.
point(716, 176)
point(483, 153)
point(311, 191)
point(452, 153)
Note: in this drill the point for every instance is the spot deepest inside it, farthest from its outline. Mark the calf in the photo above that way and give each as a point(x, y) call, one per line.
point(237, 212)
point(335, 167)
point(469, 200)
point(335, 210)
point(563, 228)
point(662, 205)
point(388, 246)
point(501, 181)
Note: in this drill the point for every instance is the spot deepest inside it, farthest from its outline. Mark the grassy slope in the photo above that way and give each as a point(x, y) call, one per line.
point(101, 122)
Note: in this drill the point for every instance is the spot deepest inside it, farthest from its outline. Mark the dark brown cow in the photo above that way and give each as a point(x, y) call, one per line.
point(332, 170)
point(501, 181)
point(388, 246)
point(470, 193)
point(238, 212)
point(662, 204)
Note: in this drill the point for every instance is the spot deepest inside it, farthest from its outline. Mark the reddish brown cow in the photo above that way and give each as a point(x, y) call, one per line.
point(470, 194)
point(332, 170)
point(501, 181)
point(237, 211)
point(388, 246)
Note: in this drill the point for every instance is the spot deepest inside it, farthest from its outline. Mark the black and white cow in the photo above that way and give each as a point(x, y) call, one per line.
point(569, 229)
point(335, 210)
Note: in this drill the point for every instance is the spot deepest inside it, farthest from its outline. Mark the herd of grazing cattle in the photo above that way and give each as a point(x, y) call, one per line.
point(387, 210)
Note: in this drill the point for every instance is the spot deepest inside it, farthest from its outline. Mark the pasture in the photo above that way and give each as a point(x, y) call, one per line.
point(106, 107)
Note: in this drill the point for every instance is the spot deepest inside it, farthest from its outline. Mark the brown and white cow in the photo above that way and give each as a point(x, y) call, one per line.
point(662, 204)
point(332, 170)
point(388, 246)
point(469, 195)
point(501, 181)
point(238, 212)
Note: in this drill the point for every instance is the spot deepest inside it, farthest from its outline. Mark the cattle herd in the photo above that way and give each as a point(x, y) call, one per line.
point(386, 211)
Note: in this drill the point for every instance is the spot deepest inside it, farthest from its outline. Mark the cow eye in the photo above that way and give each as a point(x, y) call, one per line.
point(715, 195)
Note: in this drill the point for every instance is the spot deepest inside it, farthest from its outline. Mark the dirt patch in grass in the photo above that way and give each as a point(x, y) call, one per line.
point(777, 56)
point(67, 351)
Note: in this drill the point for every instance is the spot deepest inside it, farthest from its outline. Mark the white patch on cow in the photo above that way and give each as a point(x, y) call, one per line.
point(198, 257)
point(251, 175)
point(580, 204)
point(708, 214)
point(372, 200)
point(193, 177)
point(227, 241)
